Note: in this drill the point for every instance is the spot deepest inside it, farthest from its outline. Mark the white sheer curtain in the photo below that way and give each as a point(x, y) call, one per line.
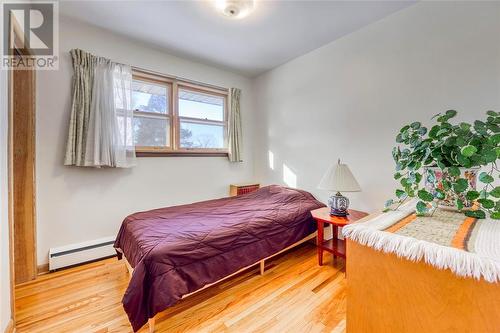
point(109, 138)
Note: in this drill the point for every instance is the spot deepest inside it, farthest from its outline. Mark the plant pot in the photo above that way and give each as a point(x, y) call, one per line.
point(449, 202)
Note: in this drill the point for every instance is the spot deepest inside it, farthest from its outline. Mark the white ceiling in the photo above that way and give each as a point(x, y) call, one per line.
point(276, 32)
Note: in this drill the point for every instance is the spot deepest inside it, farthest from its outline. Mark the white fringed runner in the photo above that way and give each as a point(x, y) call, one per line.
point(483, 262)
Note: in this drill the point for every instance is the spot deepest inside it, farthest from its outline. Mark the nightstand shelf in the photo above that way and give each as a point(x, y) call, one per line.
point(334, 246)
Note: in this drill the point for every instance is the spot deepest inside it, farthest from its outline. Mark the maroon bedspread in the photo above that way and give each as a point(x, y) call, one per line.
point(178, 250)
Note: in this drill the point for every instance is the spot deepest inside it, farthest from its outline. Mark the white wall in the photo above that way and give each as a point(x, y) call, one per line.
point(5, 311)
point(76, 204)
point(349, 98)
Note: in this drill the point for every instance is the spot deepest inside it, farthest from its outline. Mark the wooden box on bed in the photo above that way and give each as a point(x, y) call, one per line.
point(239, 189)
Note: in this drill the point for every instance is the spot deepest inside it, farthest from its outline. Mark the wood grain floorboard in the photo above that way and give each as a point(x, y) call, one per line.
point(294, 295)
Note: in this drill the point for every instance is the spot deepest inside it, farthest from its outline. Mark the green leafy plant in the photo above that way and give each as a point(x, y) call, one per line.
point(449, 147)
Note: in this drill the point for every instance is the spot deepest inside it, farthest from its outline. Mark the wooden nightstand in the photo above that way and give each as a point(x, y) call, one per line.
point(335, 246)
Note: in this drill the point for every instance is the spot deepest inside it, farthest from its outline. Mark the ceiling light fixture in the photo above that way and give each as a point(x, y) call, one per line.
point(235, 9)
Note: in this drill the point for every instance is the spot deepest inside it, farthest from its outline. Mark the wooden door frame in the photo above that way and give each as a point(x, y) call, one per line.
point(22, 120)
point(15, 38)
point(11, 197)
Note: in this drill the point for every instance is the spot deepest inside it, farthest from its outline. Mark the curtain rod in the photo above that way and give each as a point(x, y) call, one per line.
point(207, 85)
point(148, 71)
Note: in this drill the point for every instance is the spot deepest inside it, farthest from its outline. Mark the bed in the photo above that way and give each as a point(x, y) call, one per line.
point(176, 251)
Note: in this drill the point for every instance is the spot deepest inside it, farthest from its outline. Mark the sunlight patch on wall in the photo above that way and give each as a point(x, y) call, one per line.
point(271, 160)
point(289, 177)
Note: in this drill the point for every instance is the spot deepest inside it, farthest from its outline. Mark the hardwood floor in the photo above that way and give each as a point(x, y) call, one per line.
point(294, 295)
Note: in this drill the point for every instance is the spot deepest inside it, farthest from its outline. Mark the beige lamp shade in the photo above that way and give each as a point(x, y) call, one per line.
point(339, 178)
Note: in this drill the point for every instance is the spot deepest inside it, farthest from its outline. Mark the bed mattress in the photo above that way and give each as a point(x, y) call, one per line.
point(178, 250)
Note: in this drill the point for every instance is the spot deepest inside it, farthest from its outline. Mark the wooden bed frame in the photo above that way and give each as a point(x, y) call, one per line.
point(151, 321)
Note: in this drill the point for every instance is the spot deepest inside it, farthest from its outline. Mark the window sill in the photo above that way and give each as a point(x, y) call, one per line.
point(181, 154)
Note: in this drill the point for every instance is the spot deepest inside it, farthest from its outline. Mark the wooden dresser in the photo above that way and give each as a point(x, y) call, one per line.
point(386, 293)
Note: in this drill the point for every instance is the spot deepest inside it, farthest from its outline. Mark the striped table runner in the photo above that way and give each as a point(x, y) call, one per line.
point(446, 240)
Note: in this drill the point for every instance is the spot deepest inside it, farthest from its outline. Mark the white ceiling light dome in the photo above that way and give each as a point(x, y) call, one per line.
point(235, 9)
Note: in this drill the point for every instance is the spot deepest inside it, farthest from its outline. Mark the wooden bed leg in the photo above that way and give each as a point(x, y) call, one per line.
point(129, 268)
point(262, 267)
point(151, 323)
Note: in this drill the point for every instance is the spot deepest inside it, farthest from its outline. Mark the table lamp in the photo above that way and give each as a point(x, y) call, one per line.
point(340, 179)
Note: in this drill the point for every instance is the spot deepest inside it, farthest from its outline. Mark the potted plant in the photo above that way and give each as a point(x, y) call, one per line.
point(449, 157)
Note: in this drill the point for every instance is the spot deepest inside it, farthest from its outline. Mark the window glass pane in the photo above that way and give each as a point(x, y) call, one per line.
point(199, 105)
point(149, 97)
point(195, 135)
point(151, 132)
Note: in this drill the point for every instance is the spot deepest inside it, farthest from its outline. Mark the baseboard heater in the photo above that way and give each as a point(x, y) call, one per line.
point(75, 254)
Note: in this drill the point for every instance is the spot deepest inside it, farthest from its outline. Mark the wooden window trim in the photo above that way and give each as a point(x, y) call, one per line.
point(180, 153)
point(174, 148)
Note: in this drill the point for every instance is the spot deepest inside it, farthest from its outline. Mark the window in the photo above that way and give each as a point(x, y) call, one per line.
point(150, 102)
point(176, 117)
point(202, 120)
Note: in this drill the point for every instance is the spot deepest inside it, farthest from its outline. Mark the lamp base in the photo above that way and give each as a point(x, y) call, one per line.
point(338, 205)
point(334, 212)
